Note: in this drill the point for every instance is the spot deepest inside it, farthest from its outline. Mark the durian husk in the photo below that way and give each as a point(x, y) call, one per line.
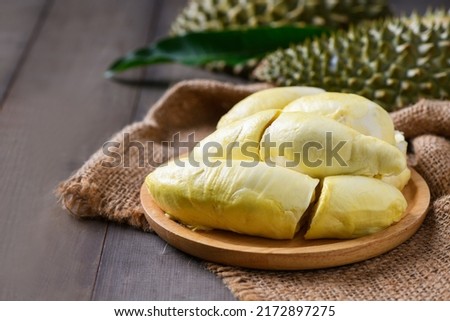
point(394, 62)
point(201, 15)
point(204, 15)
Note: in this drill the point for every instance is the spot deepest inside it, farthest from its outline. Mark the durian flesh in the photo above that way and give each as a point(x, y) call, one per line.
point(399, 180)
point(354, 206)
point(320, 147)
point(272, 98)
point(354, 111)
point(255, 196)
point(251, 200)
point(245, 133)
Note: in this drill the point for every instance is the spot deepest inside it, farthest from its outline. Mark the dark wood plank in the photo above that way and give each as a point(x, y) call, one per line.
point(59, 111)
point(407, 6)
point(146, 267)
point(141, 266)
point(19, 21)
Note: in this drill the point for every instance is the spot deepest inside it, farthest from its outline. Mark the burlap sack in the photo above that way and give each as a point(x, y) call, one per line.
point(419, 269)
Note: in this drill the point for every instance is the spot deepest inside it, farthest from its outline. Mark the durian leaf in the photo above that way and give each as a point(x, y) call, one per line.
point(232, 47)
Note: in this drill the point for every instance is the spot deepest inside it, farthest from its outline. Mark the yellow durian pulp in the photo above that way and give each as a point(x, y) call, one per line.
point(312, 139)
point(354, 111)
point(248, 200)
point(272, 98)
point(238, 140)
point(354, 206)
point(399, 180)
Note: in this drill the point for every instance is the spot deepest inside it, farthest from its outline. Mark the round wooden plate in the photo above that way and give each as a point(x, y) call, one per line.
point(296, 254)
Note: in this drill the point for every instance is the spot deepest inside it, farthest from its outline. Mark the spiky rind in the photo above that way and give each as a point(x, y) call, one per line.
point(393, 62)
point(200, 15)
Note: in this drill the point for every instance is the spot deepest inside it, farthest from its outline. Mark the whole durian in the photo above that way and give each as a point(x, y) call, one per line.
point(200, 15)
point(203, 15)
point(393, 62)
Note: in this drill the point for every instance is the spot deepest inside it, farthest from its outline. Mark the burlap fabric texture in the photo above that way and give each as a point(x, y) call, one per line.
point(419, 269)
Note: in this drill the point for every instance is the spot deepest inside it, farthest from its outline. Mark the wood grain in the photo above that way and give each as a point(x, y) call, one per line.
point(297, 254)
point(57, 113)
point(19, 21)
point(141, 266)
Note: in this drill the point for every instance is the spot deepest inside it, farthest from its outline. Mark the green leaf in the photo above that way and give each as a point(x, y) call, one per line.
point(230, 46)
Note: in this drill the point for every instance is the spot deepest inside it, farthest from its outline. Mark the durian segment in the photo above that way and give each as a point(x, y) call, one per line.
point(398, 181)
point(272, 98)
point(393, 62)
point(354, 206)
point(253, 200)
point(238, 140)
point(400, 142)
point(320, 146)
point(352, 110)
point(200, 15)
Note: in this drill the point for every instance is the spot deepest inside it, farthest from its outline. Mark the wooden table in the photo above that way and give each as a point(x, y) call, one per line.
point(55, 111)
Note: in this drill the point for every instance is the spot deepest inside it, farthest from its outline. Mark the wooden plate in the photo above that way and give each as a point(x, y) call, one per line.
point(296, 254)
